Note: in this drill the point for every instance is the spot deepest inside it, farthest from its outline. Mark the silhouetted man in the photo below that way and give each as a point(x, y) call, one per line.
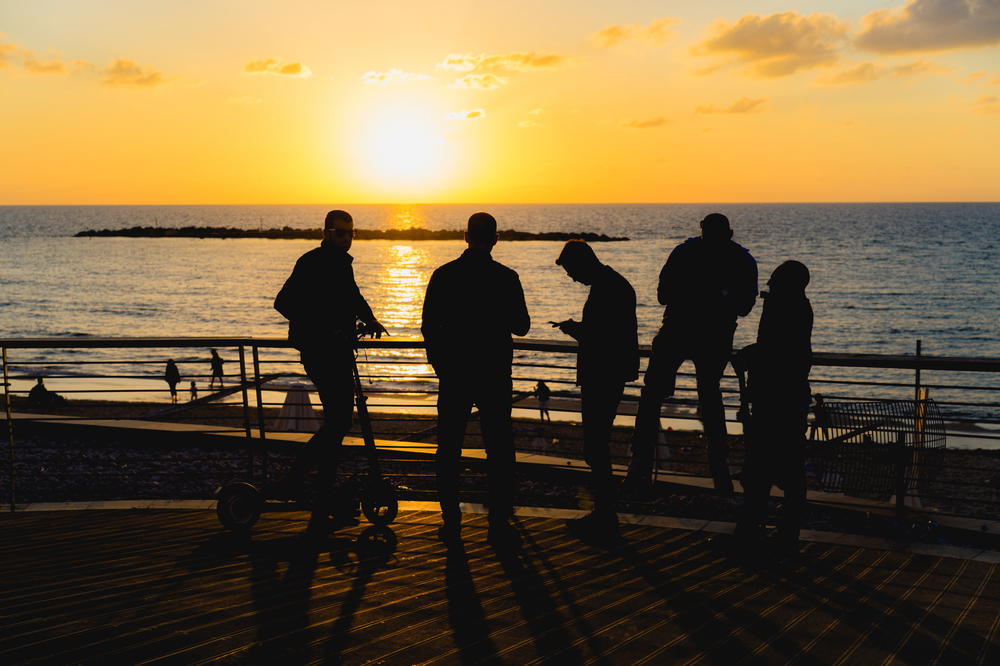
point(779, 365)
point(706, 283)
point(171, 375)
point(322, 304)
point(472, 307)
point(608, 357)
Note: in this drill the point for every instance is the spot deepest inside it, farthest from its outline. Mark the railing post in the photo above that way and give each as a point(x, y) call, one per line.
point(10, 429)
point(260, 407)
point(916, 371)
point(900, 474)
point(246, 411)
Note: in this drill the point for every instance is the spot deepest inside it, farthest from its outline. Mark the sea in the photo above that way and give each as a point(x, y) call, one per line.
point(884, 276)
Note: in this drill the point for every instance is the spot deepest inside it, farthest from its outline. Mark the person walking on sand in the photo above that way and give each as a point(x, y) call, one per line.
point(322, 303)
point(171, 375)
point(706, 283)
point(472, 307)
point(217, 372)
point(542, 393)
point(778, 364)
point(608, 357)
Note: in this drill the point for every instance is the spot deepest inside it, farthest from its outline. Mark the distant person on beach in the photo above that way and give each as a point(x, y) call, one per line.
point(778, 364)
point(608, 357)
point(472, 308)
point(40, 397)
point(542, 393)
point(706, 283)
point(194, 391)
point(322, 304)
point(217, 372)
point(171, 375)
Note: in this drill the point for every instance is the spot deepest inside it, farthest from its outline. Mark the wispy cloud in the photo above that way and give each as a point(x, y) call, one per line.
point(509, 62)
point(742, 105)
point(487, 81)
point(392, 76)
point(646, 123)
point(987, 104)
point(656, 32)
point(124, 73)
point(7, 52)
point(778, 44)
point(931, 25)
point(486, 72)
point(278, 68)
point(35, 66)
point(984, 77)
point(470, 114)
point(871, 71)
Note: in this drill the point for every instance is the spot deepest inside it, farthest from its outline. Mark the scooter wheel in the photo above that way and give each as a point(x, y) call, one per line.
point(379, 503)
point(239, 505)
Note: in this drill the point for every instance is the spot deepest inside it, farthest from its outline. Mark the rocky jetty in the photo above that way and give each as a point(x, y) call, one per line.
point(409, 234)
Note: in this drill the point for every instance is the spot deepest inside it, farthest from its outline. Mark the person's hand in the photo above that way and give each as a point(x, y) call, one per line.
point(570, 327)
point(376, 329)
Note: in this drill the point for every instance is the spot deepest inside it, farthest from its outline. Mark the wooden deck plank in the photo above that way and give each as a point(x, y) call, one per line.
point(149, 586)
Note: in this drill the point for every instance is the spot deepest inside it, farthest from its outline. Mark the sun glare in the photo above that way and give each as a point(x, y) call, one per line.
point(404, 148)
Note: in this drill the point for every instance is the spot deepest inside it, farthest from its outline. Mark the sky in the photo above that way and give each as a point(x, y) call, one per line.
point(251, 102)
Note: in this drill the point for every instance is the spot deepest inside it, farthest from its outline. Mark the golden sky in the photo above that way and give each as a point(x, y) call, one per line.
point(184, 102)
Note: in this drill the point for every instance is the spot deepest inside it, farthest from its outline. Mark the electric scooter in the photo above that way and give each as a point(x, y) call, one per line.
point(241, 503)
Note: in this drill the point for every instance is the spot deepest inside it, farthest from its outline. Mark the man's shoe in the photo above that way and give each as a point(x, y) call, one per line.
point(599, 528)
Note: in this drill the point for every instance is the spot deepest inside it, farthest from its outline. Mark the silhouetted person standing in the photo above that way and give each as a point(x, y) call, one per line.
point(779, 365)
point(472, 308)
point(171, 375)
point(194, 391)
point(217, 372)
point(706, 283)
point(608, 357)
point(542, 393)
point(322, 303)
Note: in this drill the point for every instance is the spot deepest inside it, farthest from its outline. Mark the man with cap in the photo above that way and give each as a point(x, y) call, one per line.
point(706, 283)
point(472, 308)
point(608, 357)
point(322, 304)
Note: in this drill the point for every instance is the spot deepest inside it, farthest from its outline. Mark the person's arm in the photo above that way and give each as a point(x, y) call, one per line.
point(667, 275)
point(520, 321)
point(291, 301)
point(430, 322)
point(745, 290)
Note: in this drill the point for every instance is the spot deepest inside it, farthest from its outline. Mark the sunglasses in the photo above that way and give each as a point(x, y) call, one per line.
point(342, 233)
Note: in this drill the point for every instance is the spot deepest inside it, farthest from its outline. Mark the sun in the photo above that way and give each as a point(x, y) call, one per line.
point(403, 147)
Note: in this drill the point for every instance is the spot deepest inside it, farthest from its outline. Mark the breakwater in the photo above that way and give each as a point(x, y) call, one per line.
point(290, 233)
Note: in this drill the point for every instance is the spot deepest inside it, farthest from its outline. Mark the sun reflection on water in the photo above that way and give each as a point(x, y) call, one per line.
point(403, 281)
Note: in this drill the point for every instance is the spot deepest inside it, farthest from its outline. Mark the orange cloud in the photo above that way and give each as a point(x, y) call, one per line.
point(657, 32)
point(779, 44)
point(276, 67)
point(510, 62)
point(860, 73)
point(931, 25)
point(471, 114)
point(485, 81)
point(987, 104)
point(123, 73)
point(7, 50)
point(648, 123)
point(393, 75)
point(38, 67)
point(742, 105)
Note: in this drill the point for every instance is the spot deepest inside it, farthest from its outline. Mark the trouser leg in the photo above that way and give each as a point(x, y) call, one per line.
point(756, 485)
point(659, 382)
point(710, 363)
point(494, 403)
point(599, 407)
point(454, 406)
point(331, 372)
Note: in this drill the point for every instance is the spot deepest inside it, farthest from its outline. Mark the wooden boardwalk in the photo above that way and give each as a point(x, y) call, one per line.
point(138, 586)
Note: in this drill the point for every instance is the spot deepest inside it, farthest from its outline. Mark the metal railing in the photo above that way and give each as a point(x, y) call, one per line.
point(90, 371)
